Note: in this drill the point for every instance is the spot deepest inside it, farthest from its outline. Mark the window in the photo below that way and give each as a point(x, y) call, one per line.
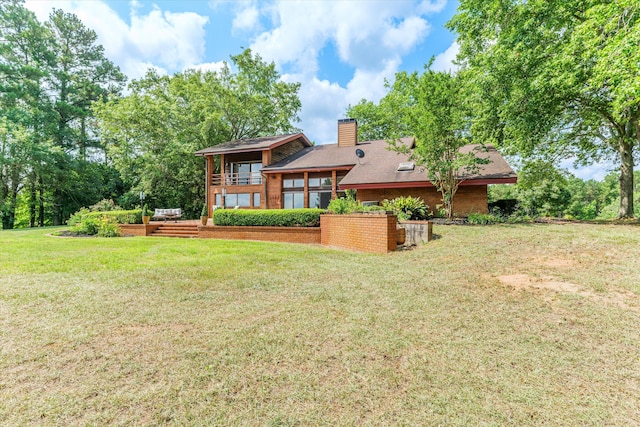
point(232, 200)
point(245, 173)
point(293, 200)
point(320, 181)
point(293, 183)
point(319, 199)
point(218, 199)
point(244, 200)
point(256, 200)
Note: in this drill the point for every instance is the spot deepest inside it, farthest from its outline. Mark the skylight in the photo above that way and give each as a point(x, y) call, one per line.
point(406, 166)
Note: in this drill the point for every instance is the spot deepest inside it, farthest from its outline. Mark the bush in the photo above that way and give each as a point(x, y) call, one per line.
point(105, 205)
point(407, 208)
point(268, 218)
point(344, 205)
point(484, 219)
point(102, 223)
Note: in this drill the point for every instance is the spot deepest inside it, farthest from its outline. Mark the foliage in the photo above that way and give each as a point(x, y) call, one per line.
point(119, 217)
point(50, 74)
point(205, 211)
point(433, 107)
point(476, 218)
point(344, 205)
point(268, 217)
point(556, 79)
point(108, 227)
point(152, 133)
point(105, 205)
point(145, 210)
point(407, 208)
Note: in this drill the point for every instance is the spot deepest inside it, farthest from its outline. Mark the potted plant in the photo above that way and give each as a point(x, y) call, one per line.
point(204, 216)
point(145, 214)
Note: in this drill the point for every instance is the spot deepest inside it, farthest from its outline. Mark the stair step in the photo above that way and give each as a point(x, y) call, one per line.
point(174, 235)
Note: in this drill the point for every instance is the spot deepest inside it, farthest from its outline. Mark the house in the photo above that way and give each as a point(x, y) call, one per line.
point(288, 171)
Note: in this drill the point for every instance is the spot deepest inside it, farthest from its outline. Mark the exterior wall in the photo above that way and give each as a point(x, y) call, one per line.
point(347, 133)
point(274, 191)
point(138, 229)
point(417, 231)
point(374, 233)
point(469, 198)
point(285, 150)
point(309, 235)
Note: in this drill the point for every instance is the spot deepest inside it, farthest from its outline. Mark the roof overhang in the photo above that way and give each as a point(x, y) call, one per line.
point(212, 151)
point(299, 170)
point(414, 184)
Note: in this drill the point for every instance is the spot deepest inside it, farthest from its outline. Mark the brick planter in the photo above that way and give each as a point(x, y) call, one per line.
point(137, 229)
point(308, 235)
point(374, 233)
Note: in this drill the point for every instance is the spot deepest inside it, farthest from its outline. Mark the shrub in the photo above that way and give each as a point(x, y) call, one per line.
point(205, 211)
point(103, 223)
point(145, 210)
point(105, 205)
point(344, 205)
point(107, 227)
point(407, 208)
point(484, 219)
point(269, 217)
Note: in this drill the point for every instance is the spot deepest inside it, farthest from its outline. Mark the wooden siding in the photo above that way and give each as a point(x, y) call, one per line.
point(347, 133)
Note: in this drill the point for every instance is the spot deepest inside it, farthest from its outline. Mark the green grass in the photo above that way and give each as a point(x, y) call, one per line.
point(501, 325)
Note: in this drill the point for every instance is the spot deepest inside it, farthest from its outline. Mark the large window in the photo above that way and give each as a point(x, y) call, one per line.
point(319, 199)
point(293, 183)
point(245, 173)
point(294, 200)
point(232, 200)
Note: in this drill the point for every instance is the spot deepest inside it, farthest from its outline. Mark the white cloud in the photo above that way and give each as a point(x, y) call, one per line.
point(246, 19)
point(444, 61)
point(208, 66)
point(370, 36)
point(165, 41)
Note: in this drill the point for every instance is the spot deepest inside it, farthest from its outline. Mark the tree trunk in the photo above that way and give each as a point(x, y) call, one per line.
point(32, 201)
point(41, 201)
point(625, 149)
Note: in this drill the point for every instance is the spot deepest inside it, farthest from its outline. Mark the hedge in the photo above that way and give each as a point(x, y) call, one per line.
point(268, 217)
point(120, 217)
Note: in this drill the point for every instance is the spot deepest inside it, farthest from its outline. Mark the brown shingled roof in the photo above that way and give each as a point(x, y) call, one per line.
point(252, 144)
point(379, 167)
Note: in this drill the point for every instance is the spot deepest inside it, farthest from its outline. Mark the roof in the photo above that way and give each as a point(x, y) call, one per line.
point(379, 166)
point(252, 144)
point(322, 157)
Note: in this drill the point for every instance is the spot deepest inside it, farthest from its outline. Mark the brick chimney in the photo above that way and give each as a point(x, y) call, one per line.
point(347, 132)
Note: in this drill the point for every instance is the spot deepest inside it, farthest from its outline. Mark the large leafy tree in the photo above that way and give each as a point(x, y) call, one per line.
point(153, 132)
point(556, 78)
point(433, 107)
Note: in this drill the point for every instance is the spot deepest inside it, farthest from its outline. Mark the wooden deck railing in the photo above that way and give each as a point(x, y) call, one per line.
point(242, 178)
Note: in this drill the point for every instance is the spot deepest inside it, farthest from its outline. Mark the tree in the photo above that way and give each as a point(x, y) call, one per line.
point(556, 78)
point(24, 58)
point(152, 133)
point(433, 108)
point(80, 75)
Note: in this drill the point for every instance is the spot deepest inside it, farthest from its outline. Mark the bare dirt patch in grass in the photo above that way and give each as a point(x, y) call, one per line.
point(546, 286)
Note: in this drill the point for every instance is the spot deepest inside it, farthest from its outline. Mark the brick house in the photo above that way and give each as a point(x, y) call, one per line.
point(288, 171)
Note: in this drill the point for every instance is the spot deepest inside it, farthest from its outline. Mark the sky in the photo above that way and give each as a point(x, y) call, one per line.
point(340, 51)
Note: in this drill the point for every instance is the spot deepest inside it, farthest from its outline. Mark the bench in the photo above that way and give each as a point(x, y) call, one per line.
point(166, 214)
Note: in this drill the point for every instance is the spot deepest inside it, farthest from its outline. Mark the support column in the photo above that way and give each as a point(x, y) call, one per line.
point(306, 189)
point(207, 190)
point(334, 184)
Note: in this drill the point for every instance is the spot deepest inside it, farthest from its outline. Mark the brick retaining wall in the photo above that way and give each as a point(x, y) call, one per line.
point(374, 233)
point(309, 235)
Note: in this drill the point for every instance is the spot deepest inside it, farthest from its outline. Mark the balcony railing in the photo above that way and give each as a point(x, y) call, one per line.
point(241, 178)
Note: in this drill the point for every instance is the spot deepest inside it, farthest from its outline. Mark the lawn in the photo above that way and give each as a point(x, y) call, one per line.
point(500, 325)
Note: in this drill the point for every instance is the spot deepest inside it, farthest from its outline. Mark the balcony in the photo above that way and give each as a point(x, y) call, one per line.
point(240, 178)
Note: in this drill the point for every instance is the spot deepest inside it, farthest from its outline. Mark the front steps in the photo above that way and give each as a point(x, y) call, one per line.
point(176, 229)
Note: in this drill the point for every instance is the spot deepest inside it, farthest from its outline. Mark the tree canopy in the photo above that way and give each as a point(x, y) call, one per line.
point(433, 107)
point(556, 79)
point(152, 133)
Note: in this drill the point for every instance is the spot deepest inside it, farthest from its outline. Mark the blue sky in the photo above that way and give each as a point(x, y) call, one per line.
point(340, 51)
